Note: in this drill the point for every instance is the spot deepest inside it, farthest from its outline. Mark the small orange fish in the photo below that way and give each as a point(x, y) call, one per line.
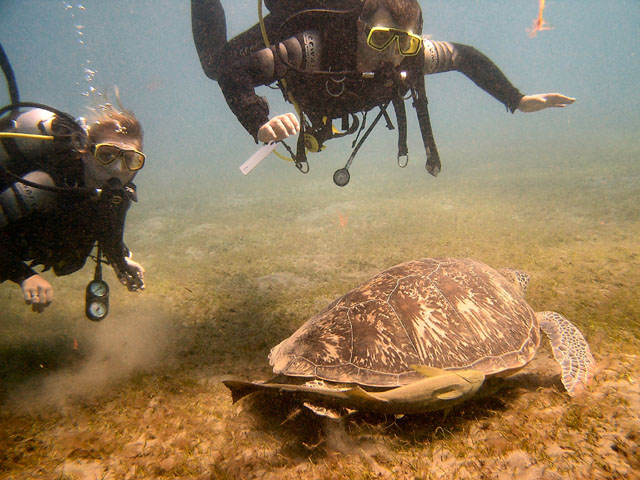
point(343, 219)
point(538, 24)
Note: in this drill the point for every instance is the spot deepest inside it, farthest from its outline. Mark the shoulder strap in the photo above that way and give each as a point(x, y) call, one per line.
point(401, 118)
point(421, 104)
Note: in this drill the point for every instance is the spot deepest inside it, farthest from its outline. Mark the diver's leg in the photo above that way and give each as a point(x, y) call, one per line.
point(209, 29)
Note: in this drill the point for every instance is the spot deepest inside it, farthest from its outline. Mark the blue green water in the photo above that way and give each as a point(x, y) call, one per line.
point(524, 188)
point(145, 48)
point(235, 264)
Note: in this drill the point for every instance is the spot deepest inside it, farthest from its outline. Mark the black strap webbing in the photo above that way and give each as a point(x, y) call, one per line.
point(421, 105)
point(401, 118)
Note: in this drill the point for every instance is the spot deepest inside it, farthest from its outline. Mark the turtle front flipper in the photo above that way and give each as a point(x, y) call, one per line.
point(570, 349)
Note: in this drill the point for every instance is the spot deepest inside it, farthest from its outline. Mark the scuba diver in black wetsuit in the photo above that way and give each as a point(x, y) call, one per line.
point(337, 58)
point(63, 188)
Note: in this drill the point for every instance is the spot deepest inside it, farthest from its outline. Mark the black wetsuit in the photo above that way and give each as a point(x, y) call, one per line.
point(324, 42)
point(62, 229)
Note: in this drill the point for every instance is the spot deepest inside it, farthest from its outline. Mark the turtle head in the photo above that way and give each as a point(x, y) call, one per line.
point(518, 278)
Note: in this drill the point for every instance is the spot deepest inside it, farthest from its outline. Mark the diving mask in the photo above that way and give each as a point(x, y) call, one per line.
point(380, 38)
point(107, 153)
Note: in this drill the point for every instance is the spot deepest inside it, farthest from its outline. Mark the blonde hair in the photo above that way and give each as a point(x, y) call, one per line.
point(109, 122)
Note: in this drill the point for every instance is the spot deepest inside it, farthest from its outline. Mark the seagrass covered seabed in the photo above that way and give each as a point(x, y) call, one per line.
point(232, 270)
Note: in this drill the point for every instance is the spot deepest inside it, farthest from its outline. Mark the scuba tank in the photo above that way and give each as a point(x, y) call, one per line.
point(33, 131)
point(40, 138)
point(29, 126)
point(26, 135)
point(35, 136)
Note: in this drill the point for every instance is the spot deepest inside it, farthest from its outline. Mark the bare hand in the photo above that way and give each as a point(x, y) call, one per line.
point(37, 292)
point(279, 128)
point(132, 276)
point(535, 103)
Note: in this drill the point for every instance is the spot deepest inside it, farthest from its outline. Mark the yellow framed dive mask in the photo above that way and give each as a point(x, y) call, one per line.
point(107, 153)
point(380, 38)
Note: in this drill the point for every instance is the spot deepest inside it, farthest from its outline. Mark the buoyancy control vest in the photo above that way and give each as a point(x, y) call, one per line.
point(36, 158)
point(388, 85)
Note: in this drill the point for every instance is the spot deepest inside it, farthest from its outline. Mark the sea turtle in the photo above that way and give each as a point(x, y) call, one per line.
point(421, 336)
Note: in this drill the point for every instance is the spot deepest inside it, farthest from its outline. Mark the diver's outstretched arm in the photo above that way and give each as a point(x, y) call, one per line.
point(447, 56)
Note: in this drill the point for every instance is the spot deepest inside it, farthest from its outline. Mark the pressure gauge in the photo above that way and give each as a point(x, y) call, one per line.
point(97, 300)
point(341, 177)
point(98, 288)
point(97, 310)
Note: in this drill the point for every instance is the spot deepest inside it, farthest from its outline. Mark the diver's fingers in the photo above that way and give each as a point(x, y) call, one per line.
point(266, 134)
point(279, 128)
point(535, 103)
point(45, 294)
point(38, 307)
point(558, 97)
point(32, 297)
point(292, 123)
point(135, 269)
point(289, 127)
point(557, 100)
point(124, 279)
point(29, 293)
point(284, 125)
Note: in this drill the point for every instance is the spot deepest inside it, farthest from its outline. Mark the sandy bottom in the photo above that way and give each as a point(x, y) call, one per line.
point(231, 272)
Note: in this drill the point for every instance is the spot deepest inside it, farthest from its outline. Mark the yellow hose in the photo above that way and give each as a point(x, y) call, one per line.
point(263, 29)
point(25, 135)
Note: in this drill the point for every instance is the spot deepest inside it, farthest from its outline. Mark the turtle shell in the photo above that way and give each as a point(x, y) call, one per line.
point(446, 313)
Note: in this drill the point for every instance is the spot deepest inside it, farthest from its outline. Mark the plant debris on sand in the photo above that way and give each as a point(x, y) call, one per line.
point(139, 396)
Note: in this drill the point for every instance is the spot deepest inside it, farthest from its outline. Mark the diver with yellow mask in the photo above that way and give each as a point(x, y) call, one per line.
point(65, 188)
point(338, 60)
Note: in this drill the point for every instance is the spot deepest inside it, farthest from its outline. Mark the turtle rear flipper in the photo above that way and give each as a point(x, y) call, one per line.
point(570, 349)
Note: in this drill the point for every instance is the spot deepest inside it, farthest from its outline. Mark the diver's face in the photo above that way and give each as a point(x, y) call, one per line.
point(368, 59)
point(99, 175)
